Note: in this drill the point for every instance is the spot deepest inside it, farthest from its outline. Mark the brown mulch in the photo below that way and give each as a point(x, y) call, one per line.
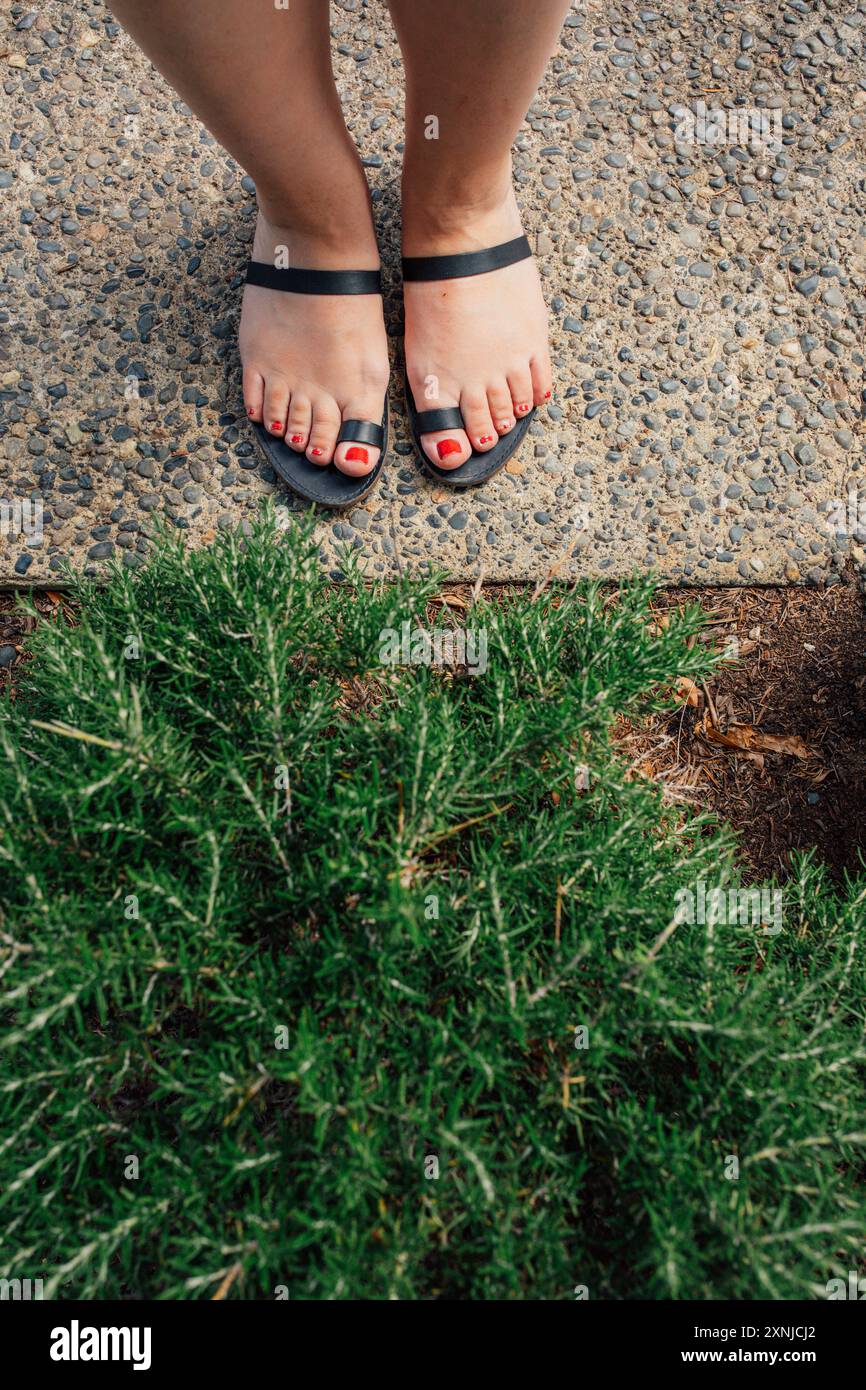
point(776, 742)
point(15, 627)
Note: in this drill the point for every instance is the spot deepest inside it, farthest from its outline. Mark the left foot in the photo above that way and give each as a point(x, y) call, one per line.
point(480, 343)
point(313, 361)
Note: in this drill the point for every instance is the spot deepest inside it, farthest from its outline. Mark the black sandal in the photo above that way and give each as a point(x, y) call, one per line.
point(479, 466)
point(327, 486)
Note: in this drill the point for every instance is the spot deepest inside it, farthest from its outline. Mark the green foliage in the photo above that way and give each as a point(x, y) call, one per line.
point(221, 816)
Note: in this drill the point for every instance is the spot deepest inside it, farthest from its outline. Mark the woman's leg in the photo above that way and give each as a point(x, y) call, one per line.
point(260, 78)
point(472, 69)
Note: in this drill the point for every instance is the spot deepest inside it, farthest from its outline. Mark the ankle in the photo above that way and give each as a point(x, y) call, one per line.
point(315, 235)
point(469, 207)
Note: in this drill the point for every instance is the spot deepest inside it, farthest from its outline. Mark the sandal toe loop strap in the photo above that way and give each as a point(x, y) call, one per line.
point(465, 263)
point(431, 421)
point(299, 281)
point(361, 432)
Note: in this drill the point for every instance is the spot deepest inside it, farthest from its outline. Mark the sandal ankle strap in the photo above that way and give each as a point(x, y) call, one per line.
point(466, 262)
point(299, 281)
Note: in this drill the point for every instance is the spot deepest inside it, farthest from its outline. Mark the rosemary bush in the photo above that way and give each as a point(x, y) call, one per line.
point(324, 978)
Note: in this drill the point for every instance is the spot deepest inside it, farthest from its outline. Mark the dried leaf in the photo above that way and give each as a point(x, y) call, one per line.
point(738, 647)
point(749, 737)
point(687, 691)
point(756, 758)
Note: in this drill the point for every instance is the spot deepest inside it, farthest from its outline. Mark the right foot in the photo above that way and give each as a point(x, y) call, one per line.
point(312, 361)
point(480, 342)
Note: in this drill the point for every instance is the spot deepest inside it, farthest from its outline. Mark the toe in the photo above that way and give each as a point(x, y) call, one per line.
point(323, 430)
point(479, 425)
point(500, 406)
point(299, 421)
point(522, 391)
point(359, 459)
point(254, 393)
point(447, 449)
point(542, 378)
point(444, 448)
point(276, 405)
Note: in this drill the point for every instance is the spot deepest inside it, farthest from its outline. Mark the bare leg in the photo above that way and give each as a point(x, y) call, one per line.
point(474, 66)
point(260, 78)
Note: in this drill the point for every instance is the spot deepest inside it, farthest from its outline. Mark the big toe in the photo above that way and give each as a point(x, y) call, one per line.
point(447, 449)
point(444, 448)
point(451, 448)
point(355, 457)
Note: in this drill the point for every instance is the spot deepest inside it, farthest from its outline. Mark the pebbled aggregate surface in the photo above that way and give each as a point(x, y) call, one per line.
point(705, 268)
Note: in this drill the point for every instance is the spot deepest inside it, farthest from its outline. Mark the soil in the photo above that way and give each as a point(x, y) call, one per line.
point(800, 675)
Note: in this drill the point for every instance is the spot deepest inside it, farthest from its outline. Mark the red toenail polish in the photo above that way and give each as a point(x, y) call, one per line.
point(276, 425)
point(523, 408)
point(357, 456)
point(448, 446)
point(250, 411)
point(485, 438)
point(297, 439)
point(547, 395)
point(503, 425)
point(317, 452)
